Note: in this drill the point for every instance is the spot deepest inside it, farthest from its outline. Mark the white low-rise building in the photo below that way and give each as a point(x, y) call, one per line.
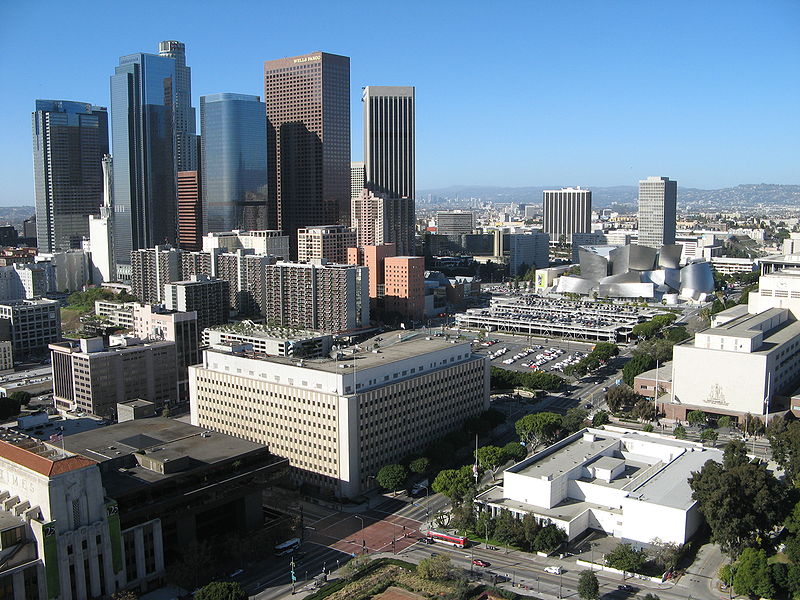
point(628, 484)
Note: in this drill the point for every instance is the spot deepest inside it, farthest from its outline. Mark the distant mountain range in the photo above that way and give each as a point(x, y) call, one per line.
point(741, 196)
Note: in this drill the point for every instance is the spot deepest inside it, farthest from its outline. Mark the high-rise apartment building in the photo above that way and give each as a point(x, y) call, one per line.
point(658, 200)
point(308, 141)
point(567, 211)
point(324, 297)
point(190, 210)
point(184, 113)
point(234, 160)
point(325, 241)
point(30, 325)
point(69, 142)
point(143, 98)
point(244, 272)
point(454, 222)
point(151, 269)
point(359, 413)
point(358, 178)
point(404, 286)
point(94, 377)
point(207, 296)
point(368, 214)
point(389, 157)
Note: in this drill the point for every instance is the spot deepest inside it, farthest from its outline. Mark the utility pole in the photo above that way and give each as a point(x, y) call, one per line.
point(294, 579)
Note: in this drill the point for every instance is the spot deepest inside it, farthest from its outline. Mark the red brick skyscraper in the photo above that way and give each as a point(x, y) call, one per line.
point(190, 217)
point(308, 141)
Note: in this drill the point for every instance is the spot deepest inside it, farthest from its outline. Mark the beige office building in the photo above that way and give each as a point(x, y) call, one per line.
point(325, 241)
point(339, 421)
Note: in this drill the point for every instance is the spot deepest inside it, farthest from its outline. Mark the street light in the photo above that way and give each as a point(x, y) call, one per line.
point(427, 496)
point(363, 542)
point(560, 577)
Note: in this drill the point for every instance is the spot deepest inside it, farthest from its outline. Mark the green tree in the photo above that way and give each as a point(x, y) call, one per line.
point(677, 334)
point(538, 428)
point(9, 407)
point(454, 483)
point(621, 397)
point(574, 419)
point(392, 477)
point(435, 568)
point(530, 530)
point(21, 396)
point(420, 465)
point(679, 432)
point(741, 501)
point(625, 558)
point(600, 418)
point(696, 417)
point(508, 529)
point(659, 349)
point(784, 438)
point(490, 458)
point(666, 554)
point(752, 574)
point(723, 422)
point(549, 538)
point(588, 587)
point(709, 435)
point(643, 410)
point(221, 590)
point(515, 451)
point(637, 365)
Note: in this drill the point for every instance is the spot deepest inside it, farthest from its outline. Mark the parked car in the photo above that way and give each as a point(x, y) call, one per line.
point(554, 570)
point(481, 563)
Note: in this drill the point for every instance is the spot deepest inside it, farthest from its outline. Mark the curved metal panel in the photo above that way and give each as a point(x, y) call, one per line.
point(575, 285)
point(593, 266)
point(641, 258)
point(627, 290)
point(669, 256)
point(697, 280)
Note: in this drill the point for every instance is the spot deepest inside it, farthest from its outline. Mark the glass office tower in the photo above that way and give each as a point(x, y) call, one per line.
point(233, 155)
point(69, 142)
point(143, 142)
point(185, 120)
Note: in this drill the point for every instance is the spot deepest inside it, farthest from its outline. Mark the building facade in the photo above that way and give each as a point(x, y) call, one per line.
point(273, 341)
point(234, 162)
point(338, 425)
point(404, 286)
point(658, 199)
point(143, 99)
point(531, 250)
point(308, 141)
point(69, 142)
point(566, 211)
point(101, 235)
point(332, 298)
point(389, 158)
point(30, 325)
point(374, 258)
point(207, 296)
point(151, 269)
point(184, 114)
point(454, 222)
point(93, 377)
point(268, 241)
point(190, 211)
point(358, 179)
point(325, 241)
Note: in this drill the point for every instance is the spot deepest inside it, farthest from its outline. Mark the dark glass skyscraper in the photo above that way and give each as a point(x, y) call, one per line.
point(69, 141)
point(185, 117)
point(143, 141)
point(234, 162)
point(308, 141)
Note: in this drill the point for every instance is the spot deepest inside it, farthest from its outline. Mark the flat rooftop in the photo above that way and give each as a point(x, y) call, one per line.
point(391, 347)
point(564, 459)
point(664, 373)
point(271, 333)
point(746, 325)
point(670, 486)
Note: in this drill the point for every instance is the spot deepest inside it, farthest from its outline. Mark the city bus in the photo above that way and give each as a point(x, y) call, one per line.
point(287, 547)
point(448, 538)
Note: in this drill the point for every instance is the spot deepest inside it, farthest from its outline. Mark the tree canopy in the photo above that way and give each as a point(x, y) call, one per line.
point(503, 379)
point(588, 586)
point(538, 428)
point(221, 590)
point(625, 558)
point(392, 477)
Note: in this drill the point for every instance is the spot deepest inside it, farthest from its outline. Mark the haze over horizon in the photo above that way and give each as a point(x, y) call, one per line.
point(586, 94)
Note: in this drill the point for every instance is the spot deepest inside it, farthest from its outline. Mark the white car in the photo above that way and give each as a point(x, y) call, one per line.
point(553, 570)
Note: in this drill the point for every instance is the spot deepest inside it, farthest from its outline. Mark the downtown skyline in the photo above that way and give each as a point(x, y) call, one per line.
point(501, 101)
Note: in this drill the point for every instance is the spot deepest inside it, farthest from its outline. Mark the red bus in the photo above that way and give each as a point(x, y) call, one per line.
point(448, 538)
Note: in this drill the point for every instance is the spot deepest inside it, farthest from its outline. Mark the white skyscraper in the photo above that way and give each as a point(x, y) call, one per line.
point(658, 198)
point(101, 241)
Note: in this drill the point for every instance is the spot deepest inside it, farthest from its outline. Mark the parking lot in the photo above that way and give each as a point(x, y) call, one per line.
point(532, 353)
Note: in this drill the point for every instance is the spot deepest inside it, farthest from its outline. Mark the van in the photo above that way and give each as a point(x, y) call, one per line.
point(553, 570)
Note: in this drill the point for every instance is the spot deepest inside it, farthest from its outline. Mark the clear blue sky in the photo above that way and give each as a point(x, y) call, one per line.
point(508, 93)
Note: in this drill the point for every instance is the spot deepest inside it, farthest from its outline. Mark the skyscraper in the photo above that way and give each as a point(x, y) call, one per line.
point(184, 113)
point(190, 213)
point(143, 141)
point(567, 211)
point(69, 142)
point(234, 162)
point(389, 157)
point(308, 141)
point(658, 199)
point(358, 179)
point(101, 241)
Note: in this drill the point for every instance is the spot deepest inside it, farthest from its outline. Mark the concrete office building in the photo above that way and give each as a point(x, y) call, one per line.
point(368, 216)
point(6, 356)
point(374, 258)
point(358, 179)
point(631, 485)
point(745, 363)
point(30, 325)
point(61, 535)
point(144, 100)
point(308, 141)
point(151, 269)
point(261, 242)
point(190, 211)
point(93, 377)
point(154, 322)
point(658, 198)
point(324, 297)
point(206, 296)
point(339, 421)
point(454, 222)
point(234, 162)
point(404, 286)
point(566, 211)
point(325, 241)
point(101, 235)
point(528, 249)
point(117, 313)
point(389, 158)
point(273, 341)
point(185, 120)
point(26, 280)
point(69, 142)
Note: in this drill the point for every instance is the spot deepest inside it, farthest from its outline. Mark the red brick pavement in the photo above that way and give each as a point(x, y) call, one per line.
point(343, 532)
